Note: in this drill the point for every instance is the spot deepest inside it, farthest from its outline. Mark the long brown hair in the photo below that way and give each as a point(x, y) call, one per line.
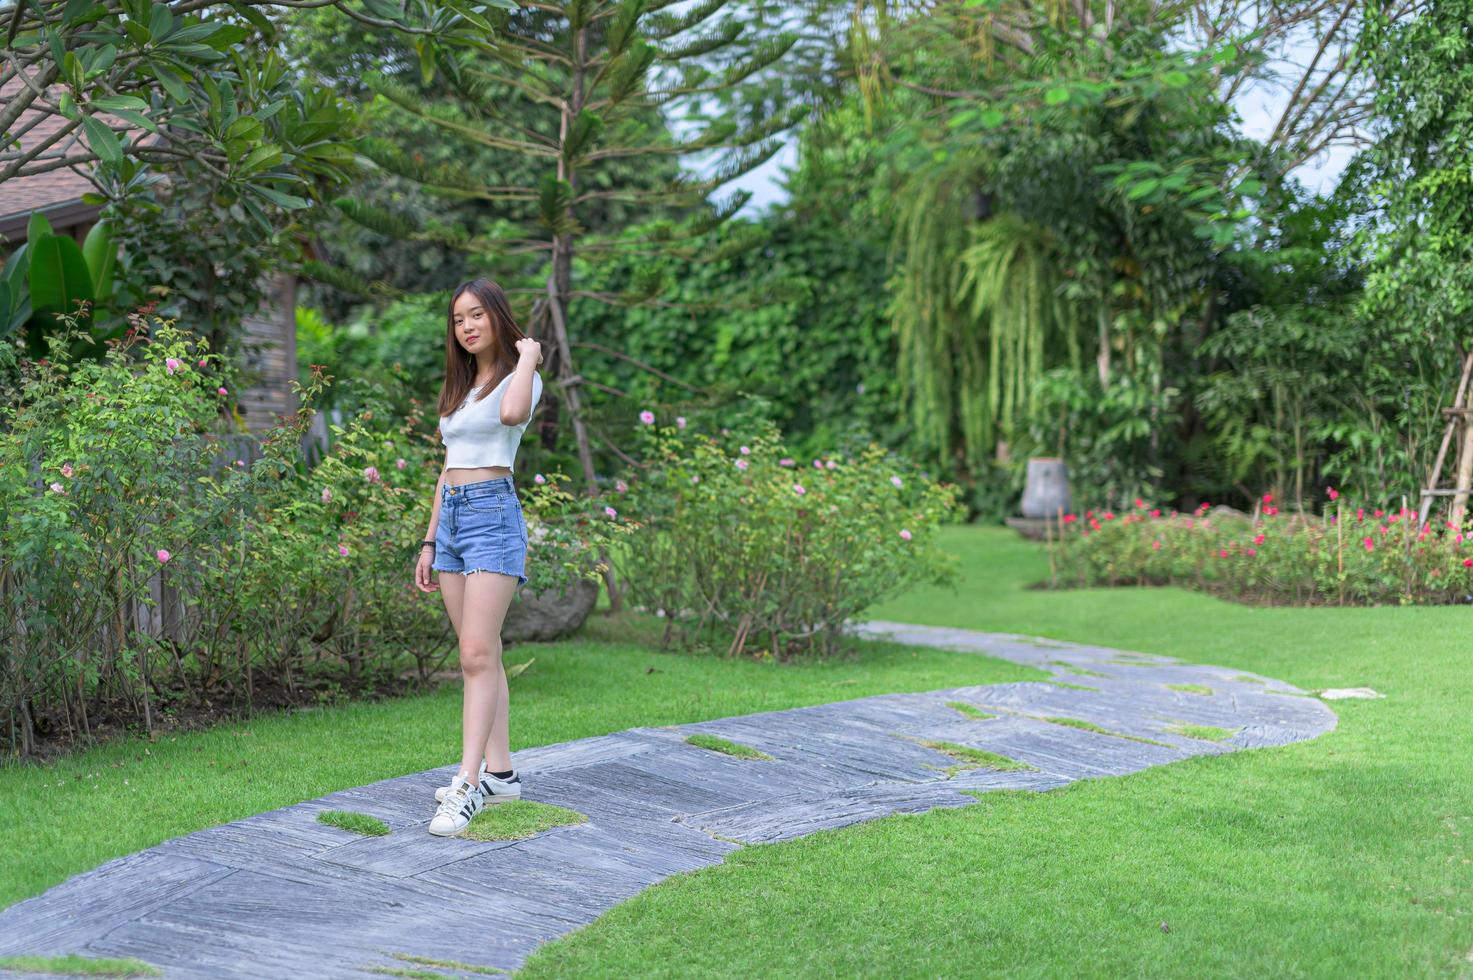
point(460, 364)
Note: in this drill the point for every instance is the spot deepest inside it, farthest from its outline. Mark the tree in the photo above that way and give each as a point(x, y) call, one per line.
point(593, 76)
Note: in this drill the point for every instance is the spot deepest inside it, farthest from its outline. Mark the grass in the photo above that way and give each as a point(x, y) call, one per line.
point(515, 819)
point(446, 964)
point(1089, 726)
point(970, 710)
point(1202, 689)
point(1347, 855)
point(1076, 669)
point(1208, 733)
point(976, 758)
point(718, 744)
point(134, 794)
point(358, 823)
point(1074, 687)
point(79, 966)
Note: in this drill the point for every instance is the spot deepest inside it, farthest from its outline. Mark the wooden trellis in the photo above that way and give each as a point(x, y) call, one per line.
point(1459, 416)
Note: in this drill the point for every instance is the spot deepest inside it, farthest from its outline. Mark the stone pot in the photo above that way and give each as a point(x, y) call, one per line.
point(552, 613)
point(1046, 491)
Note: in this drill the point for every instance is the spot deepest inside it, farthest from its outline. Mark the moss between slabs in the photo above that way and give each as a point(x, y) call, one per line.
point(515, 819)
point(716, 744)
point(458, 967)
point(1208, 733)
point(973, 758)
point(1089, 726)
point(1202, 689)
point(79, 966)
point(358, 823)
point(970, 710)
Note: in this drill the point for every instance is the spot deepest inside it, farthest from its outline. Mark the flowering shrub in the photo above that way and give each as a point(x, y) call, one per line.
point(773, 552)
point(268, 582)
point(1349, 555)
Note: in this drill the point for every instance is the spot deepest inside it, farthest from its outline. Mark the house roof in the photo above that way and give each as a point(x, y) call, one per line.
point(57, 193)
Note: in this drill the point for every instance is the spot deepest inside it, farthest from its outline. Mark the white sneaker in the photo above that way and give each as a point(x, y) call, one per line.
point(493, 789)
point(480, 778)
point(500, 790)
point(462, 802)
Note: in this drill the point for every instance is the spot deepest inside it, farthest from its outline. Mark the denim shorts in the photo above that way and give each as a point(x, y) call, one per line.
point(481, 529)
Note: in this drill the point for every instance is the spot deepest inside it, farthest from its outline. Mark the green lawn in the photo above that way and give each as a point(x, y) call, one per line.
point(1351, 855)
point(1346, 856)
point(73, 815)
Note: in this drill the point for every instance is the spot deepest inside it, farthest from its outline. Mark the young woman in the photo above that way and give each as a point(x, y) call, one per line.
point(476, 526)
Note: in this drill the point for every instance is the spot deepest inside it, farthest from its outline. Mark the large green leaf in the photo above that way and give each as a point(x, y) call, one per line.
point(59, 275)
point(101, 255)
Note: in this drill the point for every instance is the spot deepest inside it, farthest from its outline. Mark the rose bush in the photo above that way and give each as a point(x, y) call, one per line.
point(1350, 554)
point(146, 570)
point(739, 538)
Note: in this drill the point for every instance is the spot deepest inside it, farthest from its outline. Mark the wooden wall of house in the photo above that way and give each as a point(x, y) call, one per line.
point(269, 356)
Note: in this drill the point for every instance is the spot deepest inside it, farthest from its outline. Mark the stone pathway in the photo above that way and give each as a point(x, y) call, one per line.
point(281, 895)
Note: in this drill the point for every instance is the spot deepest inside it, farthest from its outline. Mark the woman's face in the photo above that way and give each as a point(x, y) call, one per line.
point(472, 323)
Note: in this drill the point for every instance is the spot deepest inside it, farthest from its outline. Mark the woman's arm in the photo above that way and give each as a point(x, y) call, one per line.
point(435, 510)
point(525, 386)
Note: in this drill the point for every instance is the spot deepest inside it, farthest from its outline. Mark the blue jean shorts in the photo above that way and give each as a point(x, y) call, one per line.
point(481, 529)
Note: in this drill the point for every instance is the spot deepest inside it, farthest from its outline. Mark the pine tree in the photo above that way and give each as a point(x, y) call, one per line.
point(597, 81)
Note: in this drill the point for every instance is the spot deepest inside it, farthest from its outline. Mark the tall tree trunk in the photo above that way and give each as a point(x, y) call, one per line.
point(560, 292)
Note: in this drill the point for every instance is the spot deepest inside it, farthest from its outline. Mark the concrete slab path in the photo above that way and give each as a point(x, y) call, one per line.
point(281, 895)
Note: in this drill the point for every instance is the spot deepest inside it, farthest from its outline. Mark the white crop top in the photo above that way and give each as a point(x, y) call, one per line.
point(473, 434)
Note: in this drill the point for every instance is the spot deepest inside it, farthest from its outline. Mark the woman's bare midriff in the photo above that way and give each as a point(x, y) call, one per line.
point(461, 475)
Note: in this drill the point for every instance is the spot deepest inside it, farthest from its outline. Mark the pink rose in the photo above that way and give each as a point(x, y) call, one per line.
point(798, 489)
point(162, 555)
point(66, 470)
point(680, 421)
point(611, 512)
point(172, 364)
point(905, 535)
point(539, 478)
point(647, 417)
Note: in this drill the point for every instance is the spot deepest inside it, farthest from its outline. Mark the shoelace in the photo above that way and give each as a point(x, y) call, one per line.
point(454, 800)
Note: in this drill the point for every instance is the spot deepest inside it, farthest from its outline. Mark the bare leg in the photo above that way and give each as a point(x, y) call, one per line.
point(498, 746)
point(484, 703)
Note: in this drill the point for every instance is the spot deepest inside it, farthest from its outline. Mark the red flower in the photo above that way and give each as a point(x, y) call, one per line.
point(1249, 552)
point(1070, 518)
point(1155, 513)
point(1332, 493)
point(1268, 498)
point(1370, 545)
point(1222, 553)
point(1468, 562)
point(1258, 539)
point(1377, 513)
point(1139, 502)
point(1108, 516)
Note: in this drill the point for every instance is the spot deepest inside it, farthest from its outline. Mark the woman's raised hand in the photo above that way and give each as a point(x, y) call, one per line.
point(529, 348)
